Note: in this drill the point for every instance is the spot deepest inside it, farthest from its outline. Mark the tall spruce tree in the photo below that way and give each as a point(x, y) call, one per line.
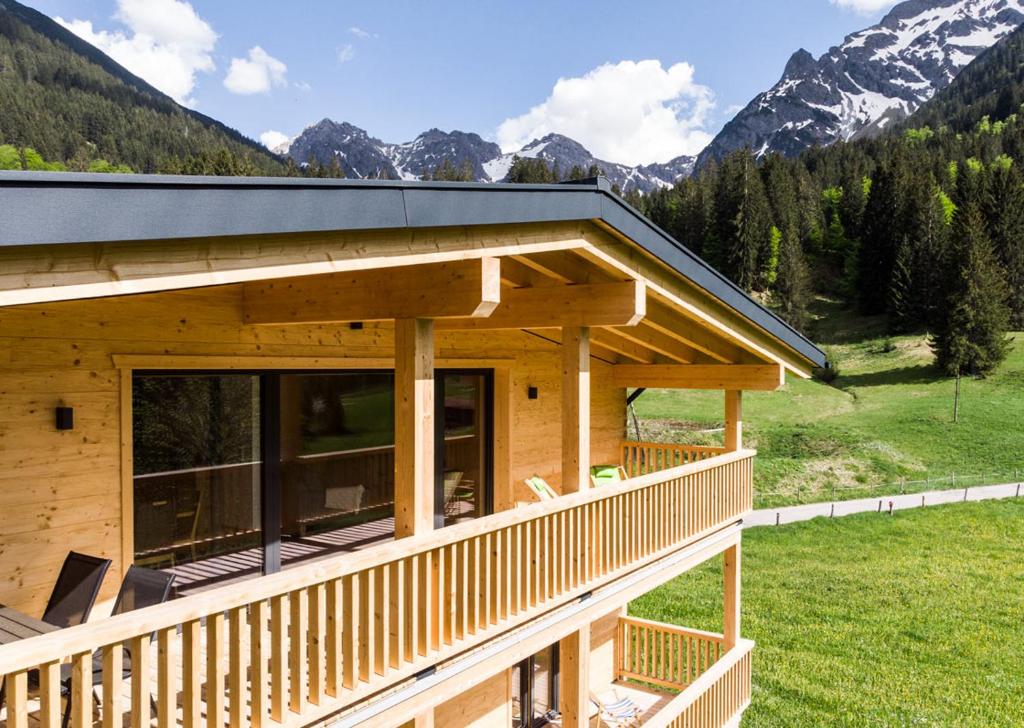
point(882, 233)
point(742, 219)
point(1004, 209)
point(971, 333)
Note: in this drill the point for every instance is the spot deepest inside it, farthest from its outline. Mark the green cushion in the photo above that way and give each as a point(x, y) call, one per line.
point(607, 473)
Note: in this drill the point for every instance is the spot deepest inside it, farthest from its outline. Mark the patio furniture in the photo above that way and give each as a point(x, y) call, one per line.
point(452, 479)
point(605, 474)
point(75, 591)
point(616, 711)
point(141, 588)
point(540, 488)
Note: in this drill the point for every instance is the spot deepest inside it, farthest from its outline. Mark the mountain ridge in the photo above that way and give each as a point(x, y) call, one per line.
point(361, 155)
point(875, 77)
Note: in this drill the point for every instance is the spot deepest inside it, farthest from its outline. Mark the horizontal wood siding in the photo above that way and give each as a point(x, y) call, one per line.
point(62, 490)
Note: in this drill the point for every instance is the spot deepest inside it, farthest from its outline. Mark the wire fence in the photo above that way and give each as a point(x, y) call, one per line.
point(827, 492)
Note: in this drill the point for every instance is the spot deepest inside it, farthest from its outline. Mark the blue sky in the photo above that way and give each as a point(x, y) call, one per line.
point(398, 68)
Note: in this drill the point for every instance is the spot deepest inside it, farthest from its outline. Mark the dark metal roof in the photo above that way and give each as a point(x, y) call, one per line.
point(46, 208)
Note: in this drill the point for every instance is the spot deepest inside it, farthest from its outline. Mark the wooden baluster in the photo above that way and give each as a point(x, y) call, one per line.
point(333, 630)
point(139, 651)
point(237, 673)
point(16, 685)
point(278, 657)
point(191, 672)
point(350, 667)
point(49, 697)
point(396, 618)
point(166, 679)
point(298, 666)
point(257, 664)
point(214, 670)
point(367, 625)
point(381, 613)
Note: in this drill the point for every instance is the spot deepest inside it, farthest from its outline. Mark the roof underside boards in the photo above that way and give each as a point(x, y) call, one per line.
point(46, 208)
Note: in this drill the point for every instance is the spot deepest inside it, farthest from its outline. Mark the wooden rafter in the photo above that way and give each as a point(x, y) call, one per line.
point(466, 288)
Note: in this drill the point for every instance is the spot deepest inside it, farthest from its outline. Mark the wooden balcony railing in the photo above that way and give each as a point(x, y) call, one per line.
point(642, 458)
point(713, 680)
point(665, 655)
point(294, 647)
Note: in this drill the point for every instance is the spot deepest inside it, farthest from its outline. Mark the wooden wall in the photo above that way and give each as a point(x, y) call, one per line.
point(62, 490)
point(487, 705)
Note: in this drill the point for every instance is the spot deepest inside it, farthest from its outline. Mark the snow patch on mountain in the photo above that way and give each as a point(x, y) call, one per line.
point(876, 77)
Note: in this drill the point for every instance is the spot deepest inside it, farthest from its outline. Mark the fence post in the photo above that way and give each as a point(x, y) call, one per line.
point(953, 479)
point(902, 484)
point(922, 501)
point(965, 495)
point(777, 516)
point(832, 513)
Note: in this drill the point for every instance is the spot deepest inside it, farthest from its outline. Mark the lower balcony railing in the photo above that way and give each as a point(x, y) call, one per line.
point(294, 647)
point(713, 679)
point(641, 458)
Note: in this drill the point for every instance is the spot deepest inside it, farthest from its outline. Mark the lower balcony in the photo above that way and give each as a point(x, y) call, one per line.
point(678, 677)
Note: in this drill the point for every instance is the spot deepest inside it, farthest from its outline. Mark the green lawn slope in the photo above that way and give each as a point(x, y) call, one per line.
point(888, 417)
point(875, 620)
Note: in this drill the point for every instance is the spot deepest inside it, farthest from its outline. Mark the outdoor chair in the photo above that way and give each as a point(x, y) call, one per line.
point(540, 488)
point(606, 474)
point(616, 712)
point(141, 588)
point(73, 596)
point(75, 591)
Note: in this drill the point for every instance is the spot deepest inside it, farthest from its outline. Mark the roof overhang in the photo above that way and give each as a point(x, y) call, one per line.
point(48, 208)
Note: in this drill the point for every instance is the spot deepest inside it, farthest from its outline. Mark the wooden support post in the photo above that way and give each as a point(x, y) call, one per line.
point(733, 420)
point(414, 426)
point(574, 678)
point(732, 573)
point(575, 409)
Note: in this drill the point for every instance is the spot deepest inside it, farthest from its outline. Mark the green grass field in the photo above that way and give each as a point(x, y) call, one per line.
point(913, 619)
point(887, 417)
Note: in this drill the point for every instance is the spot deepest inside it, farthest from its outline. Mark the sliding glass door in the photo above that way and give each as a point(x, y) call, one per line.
point(241, 473)
point(535, 689)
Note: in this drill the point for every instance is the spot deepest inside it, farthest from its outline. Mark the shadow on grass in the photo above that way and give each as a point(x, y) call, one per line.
point(835, 323)
point(918, 374)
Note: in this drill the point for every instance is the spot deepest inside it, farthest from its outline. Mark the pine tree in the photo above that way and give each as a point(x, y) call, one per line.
point(971, 335)
point(791, 292)
point(883, 231)
point(1004, 209)
point(742, 219)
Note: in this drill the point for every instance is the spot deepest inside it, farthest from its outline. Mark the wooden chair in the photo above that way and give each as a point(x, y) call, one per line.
point(540, 488)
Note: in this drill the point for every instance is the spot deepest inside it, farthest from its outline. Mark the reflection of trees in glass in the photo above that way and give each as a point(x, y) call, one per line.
point(347, 411)
point(192, 421)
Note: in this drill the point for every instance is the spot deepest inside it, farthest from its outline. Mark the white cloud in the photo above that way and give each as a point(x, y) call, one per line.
point(166, 43)
point(346, 53)
point(360, 33)
point(256, 74)
point(633, 112)
point(271, 139)
point(303, 86)
point(864, 7)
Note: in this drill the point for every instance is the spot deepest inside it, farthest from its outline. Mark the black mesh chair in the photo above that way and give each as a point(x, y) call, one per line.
point(141, 588)
point(75, 590)
point(73, 597)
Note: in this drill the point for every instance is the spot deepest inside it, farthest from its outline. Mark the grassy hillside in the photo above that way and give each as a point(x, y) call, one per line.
point(875, 620)
point(73, 105)
point(888, 416)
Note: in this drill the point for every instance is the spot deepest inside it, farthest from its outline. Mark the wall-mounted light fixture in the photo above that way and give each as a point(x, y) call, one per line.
point(531, 393)
point(65, 418)
point(355, 325)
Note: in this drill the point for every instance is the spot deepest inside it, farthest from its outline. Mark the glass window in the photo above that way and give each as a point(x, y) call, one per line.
point(196, 456)
point(337, 461)
point(465, 435)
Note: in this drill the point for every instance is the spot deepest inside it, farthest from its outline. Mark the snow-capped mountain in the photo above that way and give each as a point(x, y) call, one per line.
point(361, 155)
point(877, 76)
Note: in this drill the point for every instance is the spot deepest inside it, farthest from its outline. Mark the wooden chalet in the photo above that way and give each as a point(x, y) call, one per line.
point(318, 403)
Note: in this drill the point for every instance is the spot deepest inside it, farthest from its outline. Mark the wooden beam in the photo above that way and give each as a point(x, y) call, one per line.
point(574, 678)
point(458, 288)
point(565, 267)
point(575, 409)
point(660, 343)
point(414, 427)
point(760, 377)
point(733, 420)
point(679, 326)
point(731, 570)
point(606, 304)
point(621, 345)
